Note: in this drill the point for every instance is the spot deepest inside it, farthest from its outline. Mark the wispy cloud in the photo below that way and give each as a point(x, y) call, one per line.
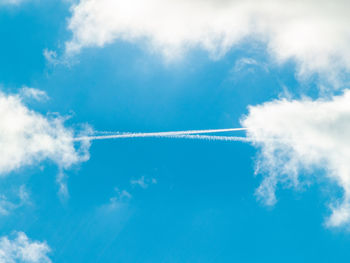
point(120, 195)
point(7, 205)
point(143, 182)
point(53, 59)
point(119, 199)
point(32, 93)
point(244, 65)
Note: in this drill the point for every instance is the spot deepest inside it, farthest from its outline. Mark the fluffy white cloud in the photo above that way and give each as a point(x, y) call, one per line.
point(28, 137)
point(302, 141)
point(313, 33)
point(22, 249)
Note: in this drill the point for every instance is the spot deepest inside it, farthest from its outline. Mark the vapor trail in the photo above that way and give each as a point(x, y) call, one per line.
point(211, 138)
point(158, 134)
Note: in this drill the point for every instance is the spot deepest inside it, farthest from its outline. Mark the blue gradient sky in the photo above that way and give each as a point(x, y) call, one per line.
point(199, 203)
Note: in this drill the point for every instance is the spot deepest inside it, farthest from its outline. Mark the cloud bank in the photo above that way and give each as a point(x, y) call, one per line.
point(29, 138)
point(313, 33)
point(301, 141)
point(22, 249)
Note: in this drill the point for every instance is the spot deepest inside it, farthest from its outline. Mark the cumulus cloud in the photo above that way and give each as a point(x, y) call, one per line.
point(302, 141)
point(20, 248)
point(28, 138)
point(313, 33)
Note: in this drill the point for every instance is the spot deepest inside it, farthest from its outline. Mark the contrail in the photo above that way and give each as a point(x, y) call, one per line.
point(211, 138)
point(159, 134)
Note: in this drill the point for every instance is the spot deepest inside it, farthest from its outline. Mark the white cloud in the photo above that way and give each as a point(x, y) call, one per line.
point(28, 138)
point(53, 59)
point(302, 141)
point(313, 33)
point(120, 196)
point(244, 65)
point(22, 249)
point(143, 182)
point(27, 93)
point(51, 56)
point(140, 182)
point(118, 200)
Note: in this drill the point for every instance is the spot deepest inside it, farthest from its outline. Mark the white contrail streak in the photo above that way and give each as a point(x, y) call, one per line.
point(211, 138)
point(158, 134)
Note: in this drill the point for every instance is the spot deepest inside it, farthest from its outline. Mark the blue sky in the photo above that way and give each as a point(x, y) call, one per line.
point(281, 197)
